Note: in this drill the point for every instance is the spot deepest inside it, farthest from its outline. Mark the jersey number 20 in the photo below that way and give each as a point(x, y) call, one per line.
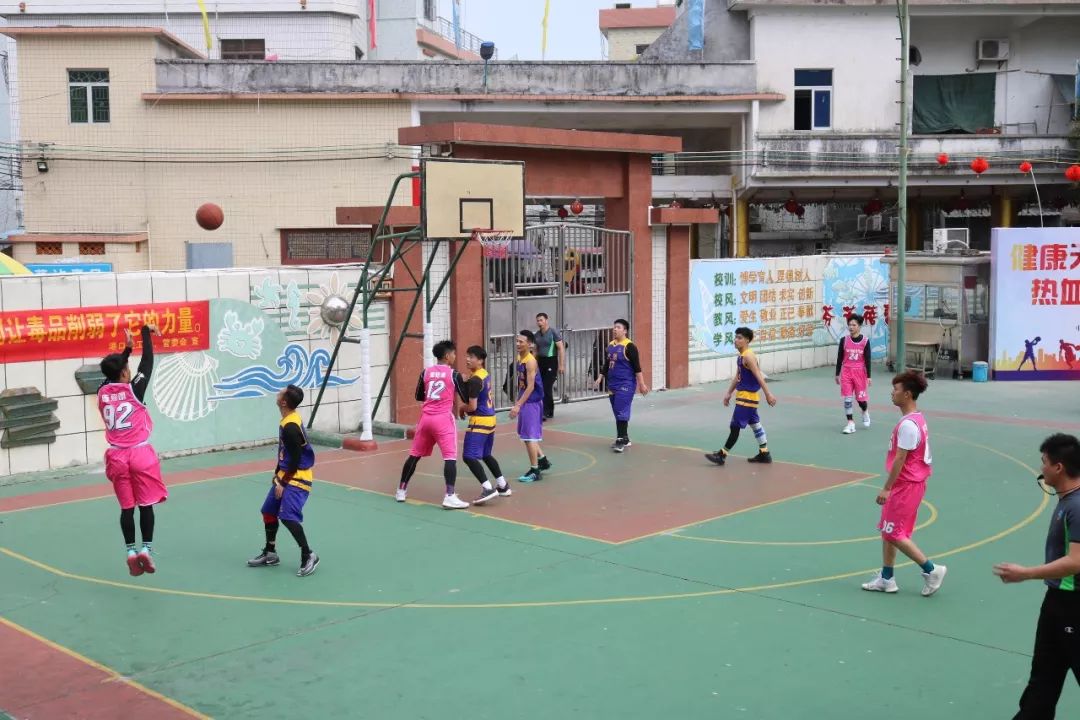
point(116, 418)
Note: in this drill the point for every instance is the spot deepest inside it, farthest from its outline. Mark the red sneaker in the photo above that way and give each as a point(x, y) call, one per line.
point(134, 566)
point(146, 562)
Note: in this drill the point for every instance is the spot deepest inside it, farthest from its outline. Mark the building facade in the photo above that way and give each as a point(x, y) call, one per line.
point(629, 31)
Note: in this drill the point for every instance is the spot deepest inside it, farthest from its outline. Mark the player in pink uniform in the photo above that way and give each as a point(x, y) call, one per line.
point(853, 372)
point(131, 464)
point(909, 466)
point(439, 390)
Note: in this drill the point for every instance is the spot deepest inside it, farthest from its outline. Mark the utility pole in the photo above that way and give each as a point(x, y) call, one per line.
point(900, 359)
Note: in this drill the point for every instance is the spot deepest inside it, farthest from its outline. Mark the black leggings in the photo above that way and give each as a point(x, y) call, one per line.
point(146, 524)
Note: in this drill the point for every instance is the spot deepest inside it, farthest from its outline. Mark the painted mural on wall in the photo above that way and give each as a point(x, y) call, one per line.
point(789, 303)
point(1035, 321)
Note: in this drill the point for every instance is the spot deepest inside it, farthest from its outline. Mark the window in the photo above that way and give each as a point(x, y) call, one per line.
point(323, 247)
point(243, 49)
point(431, 9)
point(49, 248)
point(91, 248)
point(88, 91)
point(641, 48)
point(813, 99)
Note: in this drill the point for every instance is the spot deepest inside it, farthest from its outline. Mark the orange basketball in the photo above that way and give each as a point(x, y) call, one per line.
point(209, 216)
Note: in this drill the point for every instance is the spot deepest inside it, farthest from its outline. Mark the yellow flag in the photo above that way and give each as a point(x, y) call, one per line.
point(205, 25)
point(544, 24)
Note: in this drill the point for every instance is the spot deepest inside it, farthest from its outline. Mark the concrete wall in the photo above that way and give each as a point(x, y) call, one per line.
point(194, 148)
point(452, 78)
point(864, 64)
point(264, 327)
point(1024, 91)
point(727, 37)
point(125, 257)
point(623, 42)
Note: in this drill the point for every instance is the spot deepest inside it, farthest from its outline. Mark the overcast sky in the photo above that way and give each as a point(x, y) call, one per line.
point(514, 26)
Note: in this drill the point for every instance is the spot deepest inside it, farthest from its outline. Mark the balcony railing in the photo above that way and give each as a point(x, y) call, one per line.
point(445, 28)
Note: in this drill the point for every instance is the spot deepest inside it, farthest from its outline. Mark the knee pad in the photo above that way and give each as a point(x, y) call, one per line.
point(269, 519)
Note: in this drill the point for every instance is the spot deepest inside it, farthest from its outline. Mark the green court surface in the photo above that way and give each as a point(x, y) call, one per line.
point(644, 585)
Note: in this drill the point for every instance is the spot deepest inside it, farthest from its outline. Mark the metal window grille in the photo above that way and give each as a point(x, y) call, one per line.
point(324, 246)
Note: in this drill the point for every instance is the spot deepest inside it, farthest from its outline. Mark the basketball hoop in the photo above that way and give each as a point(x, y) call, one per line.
point(496, 243)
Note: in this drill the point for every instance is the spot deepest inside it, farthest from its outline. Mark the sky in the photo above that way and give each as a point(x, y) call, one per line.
point(515, 26)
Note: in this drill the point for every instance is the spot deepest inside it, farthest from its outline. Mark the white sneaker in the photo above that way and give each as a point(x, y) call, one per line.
point(453, 502)
point(880, 584)
point(849, 428)
point(932, 580)
point(400, 495)
point(866, 420)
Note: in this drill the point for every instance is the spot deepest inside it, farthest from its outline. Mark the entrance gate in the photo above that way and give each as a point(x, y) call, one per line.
point(581, 276)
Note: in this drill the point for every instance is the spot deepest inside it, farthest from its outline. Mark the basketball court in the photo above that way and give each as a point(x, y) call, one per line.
point(639, 585)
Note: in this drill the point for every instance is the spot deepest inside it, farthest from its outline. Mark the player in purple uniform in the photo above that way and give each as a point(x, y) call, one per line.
point(622, 371)
point(480, 437)
point(529, 408)
point(750, 383)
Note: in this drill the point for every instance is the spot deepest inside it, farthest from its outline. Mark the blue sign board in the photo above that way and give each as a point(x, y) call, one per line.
point(56, 268)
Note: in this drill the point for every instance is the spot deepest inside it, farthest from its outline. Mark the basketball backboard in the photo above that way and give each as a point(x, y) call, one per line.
point(459, 196)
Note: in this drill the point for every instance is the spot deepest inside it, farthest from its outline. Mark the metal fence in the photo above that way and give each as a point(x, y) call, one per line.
point(581, 276)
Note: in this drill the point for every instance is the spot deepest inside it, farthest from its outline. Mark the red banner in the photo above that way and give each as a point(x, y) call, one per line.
point(59, 333)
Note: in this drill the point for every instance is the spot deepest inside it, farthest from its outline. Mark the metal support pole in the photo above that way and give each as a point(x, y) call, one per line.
point(902, 212)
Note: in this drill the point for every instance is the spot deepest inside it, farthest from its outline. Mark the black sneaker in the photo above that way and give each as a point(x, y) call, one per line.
point(264, 559)
point(544, 464)
point(504, 491)
point(485, 495)
point(761, 457)
point(309, 566)
point(620, 445)
point(716, 457)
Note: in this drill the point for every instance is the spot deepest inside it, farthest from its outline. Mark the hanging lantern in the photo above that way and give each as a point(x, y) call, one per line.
point(1072, 173)
point(1025, 167)
point(874, 207)
point(577, 207)
point(943, 159)
point(979, 165)
point(562, 212)
point(676, 203)
point(791, 206)
point(800, 211)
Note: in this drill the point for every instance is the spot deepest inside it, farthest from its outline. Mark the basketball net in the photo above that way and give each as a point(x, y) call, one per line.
point(496, 243)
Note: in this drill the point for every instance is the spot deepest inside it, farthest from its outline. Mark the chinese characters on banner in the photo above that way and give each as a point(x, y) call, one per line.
point(60, 333)
point(1035, 287)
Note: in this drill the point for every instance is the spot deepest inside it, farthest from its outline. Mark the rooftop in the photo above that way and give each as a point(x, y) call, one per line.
point(62, 31)
point(654, 17)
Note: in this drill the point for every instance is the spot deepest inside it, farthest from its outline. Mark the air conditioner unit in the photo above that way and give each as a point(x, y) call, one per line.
point(990, 50)
point(944, 238)
point(868, 223)
point(894, 224)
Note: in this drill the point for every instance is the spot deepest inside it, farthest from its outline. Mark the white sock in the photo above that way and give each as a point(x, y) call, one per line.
point(500, 481)
point(486, 485)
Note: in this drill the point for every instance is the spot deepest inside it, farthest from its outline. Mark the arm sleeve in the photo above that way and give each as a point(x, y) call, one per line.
point(840, 356)
point(866, 358)
point(141, 381)
point(907, 436)
point(473, 388)
point(294, 445)
point(420, 394)
point(633, 357)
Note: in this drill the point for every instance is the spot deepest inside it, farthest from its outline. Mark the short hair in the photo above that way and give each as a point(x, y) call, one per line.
point(624, 323)
point(542, 315)
point(442, 348)
point(746, 333)
point(112, 366)
point(1064, 449)
point(912, 381)
point(528, 335)
point(856, 317)
point(477, 352)
point(293, 397)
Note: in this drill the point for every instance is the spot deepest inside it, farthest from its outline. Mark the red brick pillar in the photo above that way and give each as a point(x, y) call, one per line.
point(467, 299)
point(631, 212)
point(409, 364)
point(678, 306)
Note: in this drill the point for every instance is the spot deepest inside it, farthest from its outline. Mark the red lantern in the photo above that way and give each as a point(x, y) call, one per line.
point(873, 207)
point(1072, 174)
point(1025, 167)
point(791, 205)
point(943, 159)
point(577, 207)
point(979, 165)
point(562, 212)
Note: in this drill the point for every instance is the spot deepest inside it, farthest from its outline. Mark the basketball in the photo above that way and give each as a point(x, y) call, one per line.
point(209, 216)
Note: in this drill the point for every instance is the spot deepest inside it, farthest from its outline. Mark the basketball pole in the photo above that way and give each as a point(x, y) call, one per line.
point(902, 204)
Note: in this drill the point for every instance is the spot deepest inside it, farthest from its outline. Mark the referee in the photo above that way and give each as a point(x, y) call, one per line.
point(1057, 638)
point(551, 360)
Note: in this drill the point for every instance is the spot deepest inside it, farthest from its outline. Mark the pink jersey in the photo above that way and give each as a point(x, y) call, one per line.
point(127, 421)
point(854, 353)
point(917, 466)
point(439, 390)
